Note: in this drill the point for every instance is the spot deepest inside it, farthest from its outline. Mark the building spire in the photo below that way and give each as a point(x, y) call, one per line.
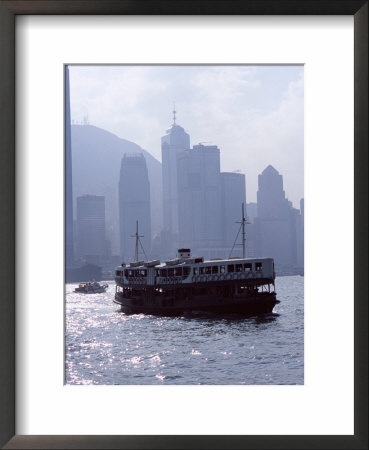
point(174, 113)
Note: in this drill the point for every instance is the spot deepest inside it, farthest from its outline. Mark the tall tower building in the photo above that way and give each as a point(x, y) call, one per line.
point(69, 250)
point(276, 224)
point(300, 235)
point(174, 142)
point(134, 205)
point(91, 241)
point(233, 195)
point(199, 199)
point(272, 202)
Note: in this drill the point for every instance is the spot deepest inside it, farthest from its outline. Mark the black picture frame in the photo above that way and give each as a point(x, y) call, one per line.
point(8, 12)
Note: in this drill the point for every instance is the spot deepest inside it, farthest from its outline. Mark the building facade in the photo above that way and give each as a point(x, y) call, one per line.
point(134, 206)
point(69, 239)
point(276, 230)
point(91, 240)
point(172, 144)
point(200, 199)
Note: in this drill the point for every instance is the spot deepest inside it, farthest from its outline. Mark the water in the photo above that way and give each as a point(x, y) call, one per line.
point(104, 346)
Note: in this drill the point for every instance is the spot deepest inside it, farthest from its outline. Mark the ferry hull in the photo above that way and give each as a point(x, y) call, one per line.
point(262, 303)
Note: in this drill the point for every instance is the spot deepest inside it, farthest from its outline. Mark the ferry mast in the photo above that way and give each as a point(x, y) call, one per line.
point(243, 222)
point(138, 243)
point(243, 228)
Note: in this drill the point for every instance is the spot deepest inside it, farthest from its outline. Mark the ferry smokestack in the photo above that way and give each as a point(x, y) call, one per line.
point(184, 253)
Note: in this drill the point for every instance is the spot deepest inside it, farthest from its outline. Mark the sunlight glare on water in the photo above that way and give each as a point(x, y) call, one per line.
point(105, 346)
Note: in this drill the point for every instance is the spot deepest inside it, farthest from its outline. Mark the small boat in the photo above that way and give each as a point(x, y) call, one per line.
point(91, 287)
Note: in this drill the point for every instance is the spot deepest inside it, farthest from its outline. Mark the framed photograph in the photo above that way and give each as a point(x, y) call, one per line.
point(110, 92)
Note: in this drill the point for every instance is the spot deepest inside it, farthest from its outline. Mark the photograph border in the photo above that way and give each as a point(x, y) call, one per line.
point(8, 12)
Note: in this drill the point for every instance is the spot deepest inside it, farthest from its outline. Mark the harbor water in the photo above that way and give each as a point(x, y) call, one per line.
point(105, 346)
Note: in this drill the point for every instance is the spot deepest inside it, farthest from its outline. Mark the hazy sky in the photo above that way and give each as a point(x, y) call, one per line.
point(254, 114)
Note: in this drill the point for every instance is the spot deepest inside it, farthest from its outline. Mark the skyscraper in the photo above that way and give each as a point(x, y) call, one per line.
point(91, 241)
point(134, 205)
point(300, 235)
point(272, 202)
point(69, 251)
point(233, 195)
point(174, 142)
point(276, 225)
point(199, 198)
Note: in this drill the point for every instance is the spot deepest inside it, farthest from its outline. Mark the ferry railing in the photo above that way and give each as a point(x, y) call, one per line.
point(137, 280)
point(202, 278)
point(226, 276)
point(169, 280)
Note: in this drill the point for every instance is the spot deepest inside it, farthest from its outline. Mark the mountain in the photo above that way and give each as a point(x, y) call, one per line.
point(96, 159)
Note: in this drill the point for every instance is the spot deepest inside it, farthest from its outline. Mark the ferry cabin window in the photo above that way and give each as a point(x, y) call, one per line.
point(195, 270)
point(230, 268)
point(239, 268)
point(258, 266)
point(186, 271)
point(208, 270)
point(164, 272)
point(222, 269)
point(214, 269)
point(248, 267)
point(202, 270)
point(178, 272)
point(170, 272)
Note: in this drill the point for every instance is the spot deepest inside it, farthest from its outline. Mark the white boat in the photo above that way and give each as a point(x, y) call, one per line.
point(91, 287)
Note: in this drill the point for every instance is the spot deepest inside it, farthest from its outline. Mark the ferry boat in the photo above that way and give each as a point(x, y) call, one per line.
point(91, 287)
point(189, 283)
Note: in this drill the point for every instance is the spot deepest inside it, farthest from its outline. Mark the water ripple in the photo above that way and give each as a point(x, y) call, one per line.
point(105, 346)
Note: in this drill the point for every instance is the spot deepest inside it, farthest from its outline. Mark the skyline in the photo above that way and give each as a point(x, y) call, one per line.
point(204, 198)
point(254, 114)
